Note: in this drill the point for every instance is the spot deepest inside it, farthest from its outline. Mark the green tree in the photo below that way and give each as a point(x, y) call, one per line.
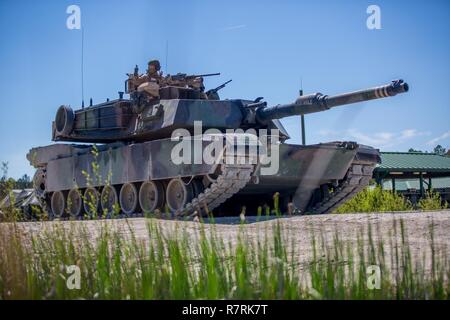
point(440, 150)
point(24, 182)
point(414, 150)
point(6, 184)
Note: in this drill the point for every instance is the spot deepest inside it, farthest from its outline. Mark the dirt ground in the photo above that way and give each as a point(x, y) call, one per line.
point(297, 229)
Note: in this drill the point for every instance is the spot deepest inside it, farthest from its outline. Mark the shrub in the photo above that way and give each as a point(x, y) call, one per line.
point(432, 201)
point(375, 200)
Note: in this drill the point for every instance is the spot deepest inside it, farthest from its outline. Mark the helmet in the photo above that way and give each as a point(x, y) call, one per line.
point(156, 64)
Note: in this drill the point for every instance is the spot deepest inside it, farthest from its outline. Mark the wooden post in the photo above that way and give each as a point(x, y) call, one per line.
point(421, 185)
point(303, 130)
point(379, 181)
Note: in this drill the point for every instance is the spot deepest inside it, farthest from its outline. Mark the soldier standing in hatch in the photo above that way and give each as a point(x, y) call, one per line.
point(153, 80)
point(153, 71)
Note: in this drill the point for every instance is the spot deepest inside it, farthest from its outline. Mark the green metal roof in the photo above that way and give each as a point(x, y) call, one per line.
point(413, 161)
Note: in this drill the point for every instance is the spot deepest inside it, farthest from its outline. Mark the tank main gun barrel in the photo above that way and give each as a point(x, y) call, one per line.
point(318, 102)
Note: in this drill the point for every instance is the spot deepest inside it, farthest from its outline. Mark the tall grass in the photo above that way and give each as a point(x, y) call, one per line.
point(173, 263)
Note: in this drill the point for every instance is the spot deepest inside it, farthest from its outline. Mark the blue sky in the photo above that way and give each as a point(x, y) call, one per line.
point(266, 47)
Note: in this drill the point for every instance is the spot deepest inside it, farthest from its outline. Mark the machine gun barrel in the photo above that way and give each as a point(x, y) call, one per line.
point(318, 102)
point(219, 87)
point(184, 76)
point(204, 75)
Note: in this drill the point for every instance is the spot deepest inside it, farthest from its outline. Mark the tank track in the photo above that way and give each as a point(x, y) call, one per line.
point(232, 179)
point(357, 178)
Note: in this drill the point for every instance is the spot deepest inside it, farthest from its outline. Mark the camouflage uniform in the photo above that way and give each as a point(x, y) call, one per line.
point(152, 80)
point(149, 83)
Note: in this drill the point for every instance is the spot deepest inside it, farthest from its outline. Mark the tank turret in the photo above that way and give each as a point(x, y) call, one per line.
point(178, 107)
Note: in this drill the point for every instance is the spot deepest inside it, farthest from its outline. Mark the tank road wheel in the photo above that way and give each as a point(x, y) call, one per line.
point(91, 201)
point(128, 198)
point(58, 204)
point(178, 194)
point(39, 183)
point(74, 203)
point(151, 196)
point(109, 200)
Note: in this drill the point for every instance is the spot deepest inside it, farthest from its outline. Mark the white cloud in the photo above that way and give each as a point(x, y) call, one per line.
point(435, 141)
point(378, 139)
point(409, 133)
point(239, 26)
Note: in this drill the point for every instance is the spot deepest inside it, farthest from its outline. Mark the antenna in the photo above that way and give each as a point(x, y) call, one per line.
point(82, 67)
point(167, 55)
point(301, 86)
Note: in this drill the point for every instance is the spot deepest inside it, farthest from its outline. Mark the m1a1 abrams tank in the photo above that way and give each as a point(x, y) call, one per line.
point(134, 168)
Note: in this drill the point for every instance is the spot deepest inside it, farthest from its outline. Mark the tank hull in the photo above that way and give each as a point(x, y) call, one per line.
point(302, 170)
